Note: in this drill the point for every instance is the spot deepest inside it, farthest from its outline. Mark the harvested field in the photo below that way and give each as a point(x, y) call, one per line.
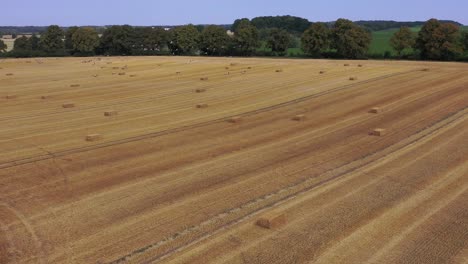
point(165, 182)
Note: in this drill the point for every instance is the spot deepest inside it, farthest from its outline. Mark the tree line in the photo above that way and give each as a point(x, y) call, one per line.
point(436, 40)
point(343, 39)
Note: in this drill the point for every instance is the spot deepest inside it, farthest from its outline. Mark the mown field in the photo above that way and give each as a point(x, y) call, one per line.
point(10, 43)
point(139, 160)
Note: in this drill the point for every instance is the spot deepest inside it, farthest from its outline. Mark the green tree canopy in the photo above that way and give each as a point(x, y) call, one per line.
point(439, 41)
point(279, 40)
point(184, 40)
point(465, 41)
point(68, 37)
point(402, 39)
point(154, 38)
point(85, 40)
point(117, 40)
point(350, 40)
point(52, 39)
point(238, 22)
point(316, 39)
point(214, 40)
point(35, 42)
point(246, 38)
point(291, 24)
point(22, 43)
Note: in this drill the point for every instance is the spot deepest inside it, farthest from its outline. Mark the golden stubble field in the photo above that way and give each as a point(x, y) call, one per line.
point(176, 159)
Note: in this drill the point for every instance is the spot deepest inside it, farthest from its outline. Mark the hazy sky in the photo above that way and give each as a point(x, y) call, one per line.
point(167, 12)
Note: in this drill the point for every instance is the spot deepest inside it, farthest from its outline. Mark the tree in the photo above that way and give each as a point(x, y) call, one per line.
point(69, 36)
point(350, 40)
point(279, 40)
point(401, 40)
point(52, 39)
point(214, 40)
point(238, 22)
point(117, 40)
point(23, 44)
point(246, 38)
point(35, 42)
point(465, 40)
point(3, 46)
point(316, 39)
point(184, 40)
point(85, 40)
point(438, 41)
point(154, 38)
point(291, 24)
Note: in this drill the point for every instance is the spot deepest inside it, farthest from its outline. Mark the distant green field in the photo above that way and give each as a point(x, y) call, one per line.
point(381, 40)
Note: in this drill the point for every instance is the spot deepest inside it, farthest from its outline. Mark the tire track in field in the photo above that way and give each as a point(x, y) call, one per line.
point(36, 158)
point(419, 135)
point(30, 229)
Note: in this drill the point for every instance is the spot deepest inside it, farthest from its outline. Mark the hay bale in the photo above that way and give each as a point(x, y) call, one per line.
point(178, 72)
point(234, 119)
point(249, 68)
point(204, 79)
point(93, 137)
point(68, 105)
point(202, 106)
point(360, 65)
point(425, 70)
point(272, 221)
point(375, 110)
point(346, 64)
point(110, 113)
point(122, 73)
point(378, 132)
point(227, 68)
point(200, 90)
point(133, 75)
point(74, 85)
point(11, 96)
point(95, 75)
point(234, 64)
point(43, 97)
point(279, 70)
point(322, 72)
point(352, 78)
point(299, 118)
point(115, 68)
point(9, 74)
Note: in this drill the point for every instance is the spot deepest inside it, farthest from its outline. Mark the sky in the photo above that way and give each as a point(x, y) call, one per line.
point(167, 12)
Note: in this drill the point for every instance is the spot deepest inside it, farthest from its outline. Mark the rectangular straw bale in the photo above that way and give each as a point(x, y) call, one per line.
point(375, 110)
point(93, 137)
point(378, 132)
point(68, 105)
point(299, 118)
point(110, 113)
point(272, 221)
point(202, 105)
point(235, 119)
